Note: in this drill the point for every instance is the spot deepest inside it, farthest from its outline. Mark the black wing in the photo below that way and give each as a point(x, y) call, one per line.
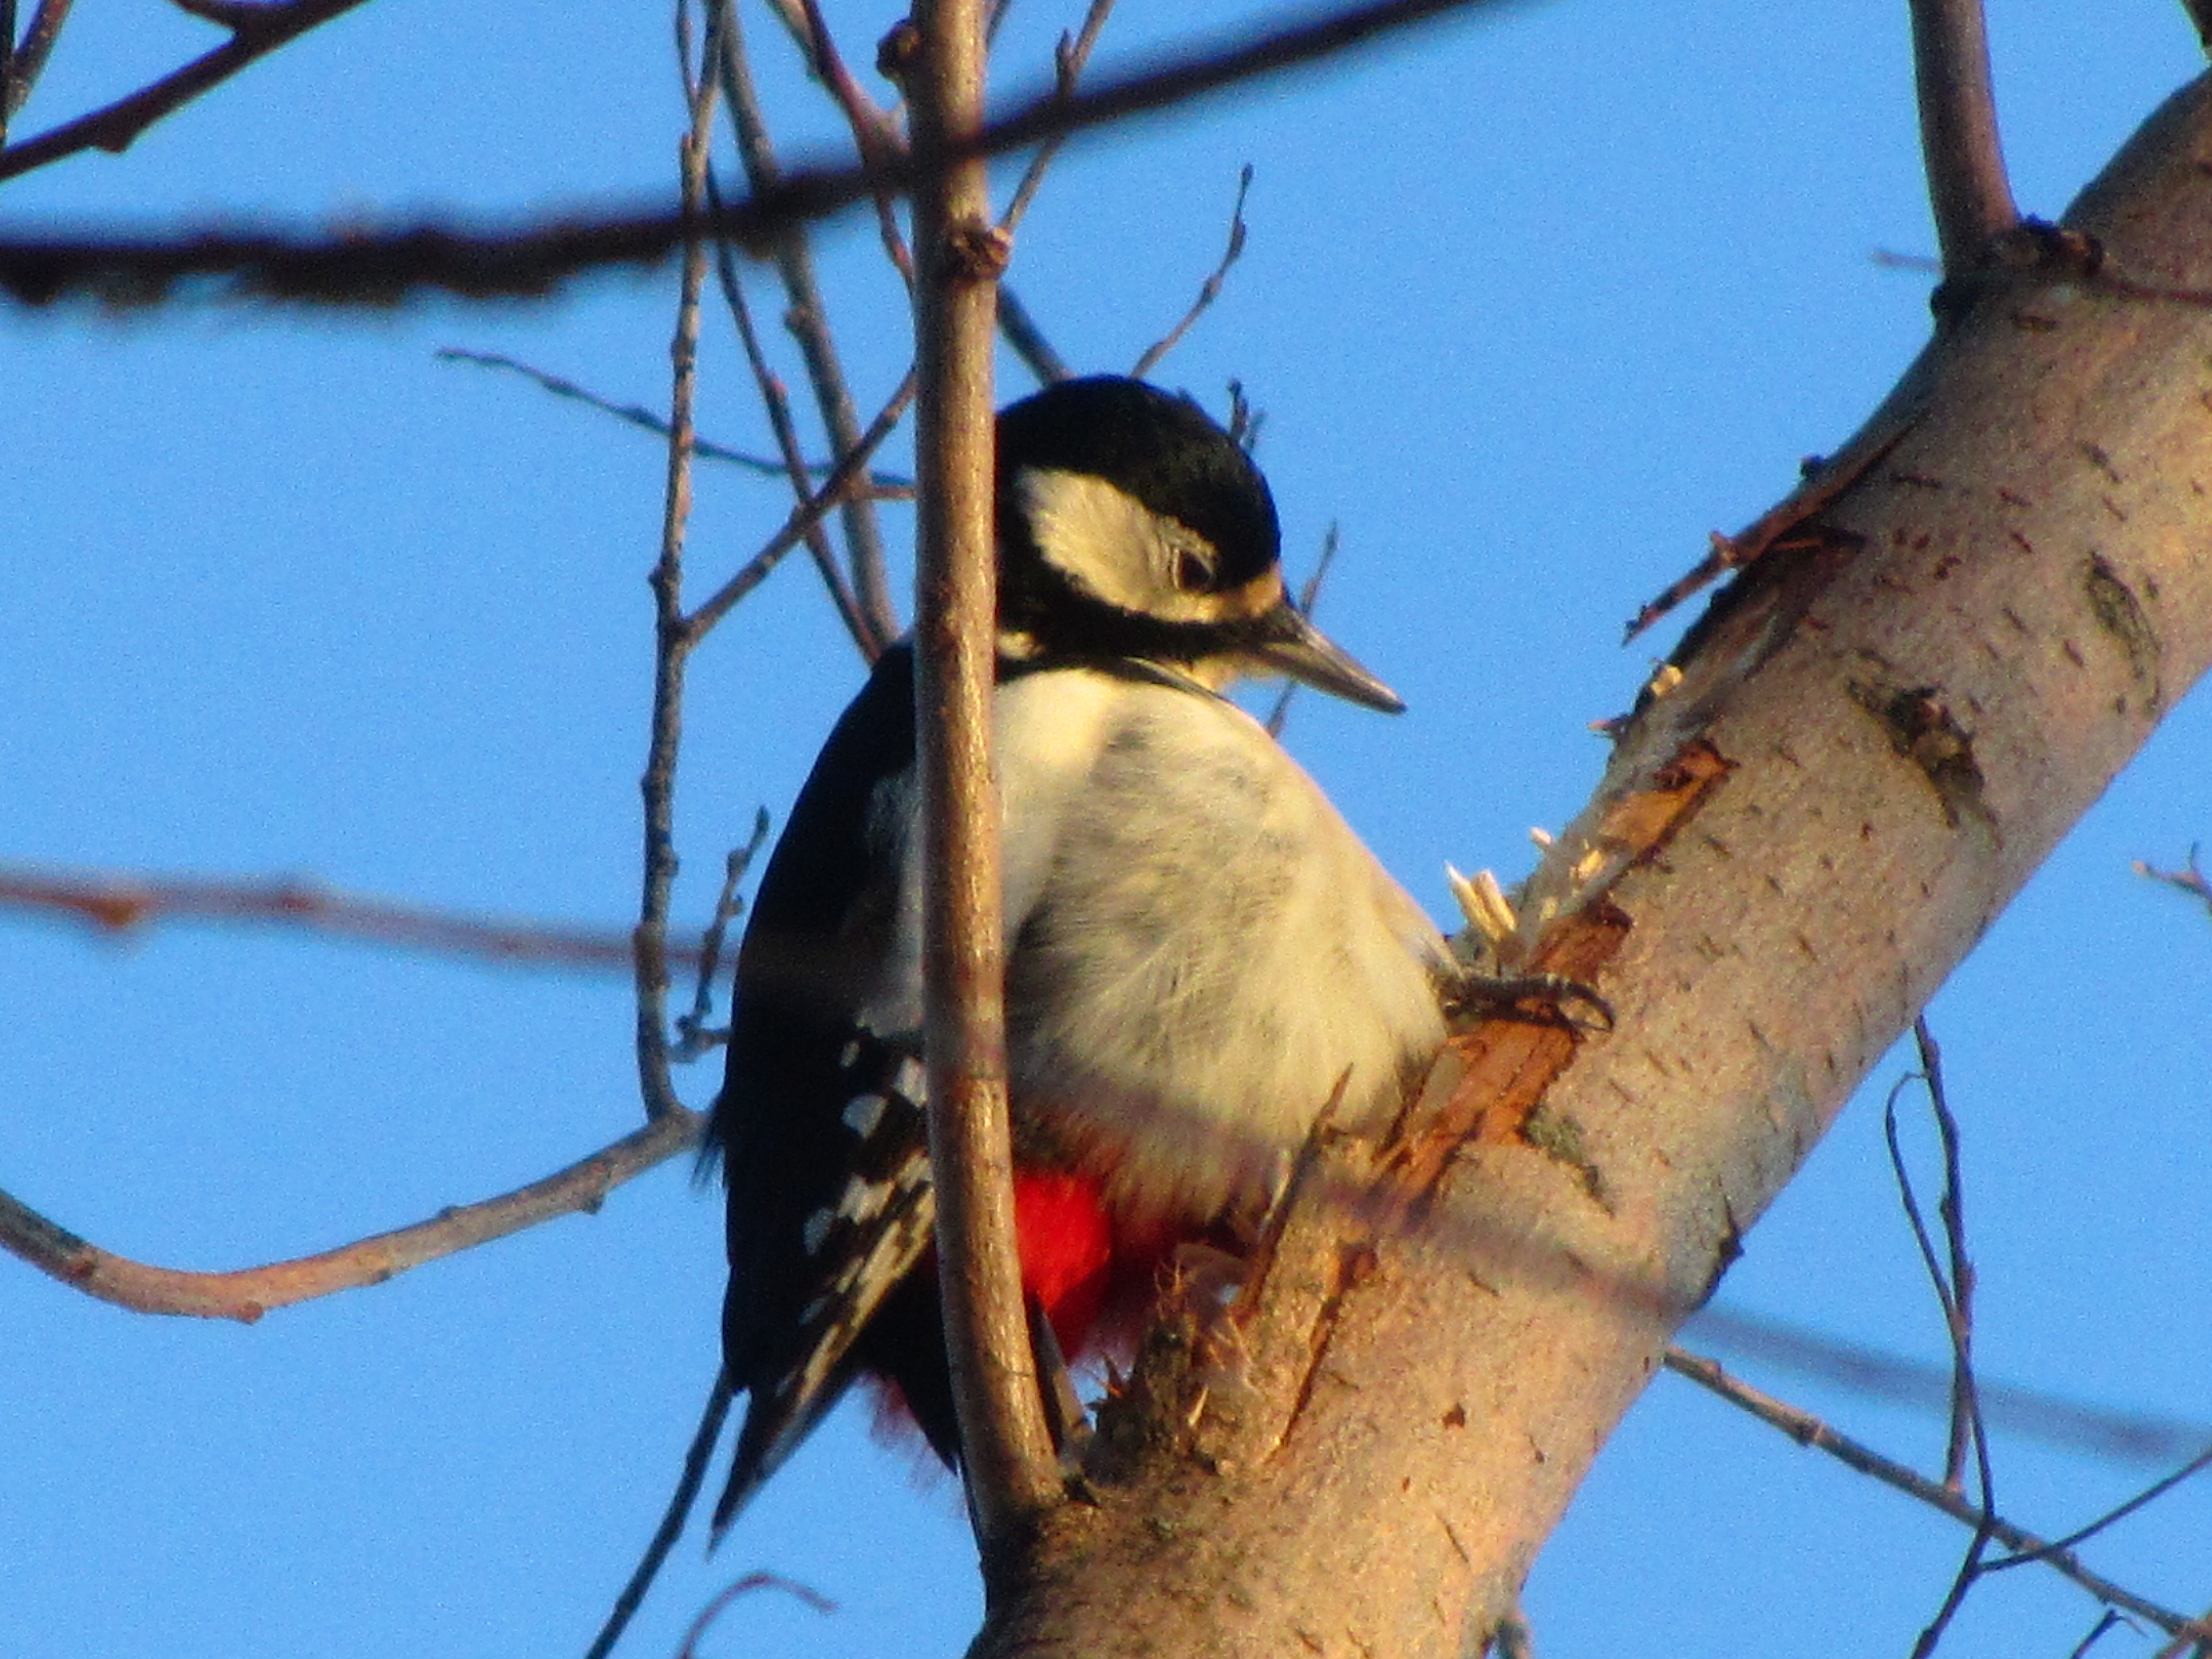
point(819, 1125)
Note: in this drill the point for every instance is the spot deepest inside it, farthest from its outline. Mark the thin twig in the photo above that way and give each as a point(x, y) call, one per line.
point(28, 61)
point(1006, 1452)
point(1019, 330)
point(254, 34)
point(806, 316)
point(697, 1457)
point(1965, 1398)
point(777, 404)
point(1068, 60)
point(1209, 290)
point(748, 1585)
point(694, 1037)
point(848, 476)
point(1967, 190)
point(1950, 1293)
point(1877, 1373)
point(2150, 1494)
point(673, 639)
point(247, 1294)
point(363, 267)
point(873, 132)
point(119, 904)
point(882, 486)
point(1809, 1430)
point(1309, 597)
point(2189, 879)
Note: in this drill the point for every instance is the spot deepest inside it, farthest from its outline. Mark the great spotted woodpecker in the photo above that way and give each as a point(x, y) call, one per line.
point(1199, 948)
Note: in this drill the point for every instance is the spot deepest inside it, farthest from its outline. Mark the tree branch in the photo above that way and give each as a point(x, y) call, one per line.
point(1809, 1430)
point(361, 267)
point(248, 1293)
point(1006, 1452)
point(808, 318)
point(256, 32)
point(1967, 189)
point(672, 638)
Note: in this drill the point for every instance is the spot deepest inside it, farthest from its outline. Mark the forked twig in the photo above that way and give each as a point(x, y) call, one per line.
point(807, 316)
point(1209, 290)
point(882, 486)
point(256, 31)
point(1809, 1430)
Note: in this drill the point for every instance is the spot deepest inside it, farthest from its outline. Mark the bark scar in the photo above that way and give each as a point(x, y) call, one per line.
point(1921, 729)
point(2121, 615)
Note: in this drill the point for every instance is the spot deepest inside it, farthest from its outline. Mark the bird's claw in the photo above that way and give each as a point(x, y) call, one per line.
point(1474, 997)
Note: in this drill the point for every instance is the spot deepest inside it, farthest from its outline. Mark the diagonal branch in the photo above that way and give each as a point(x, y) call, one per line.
point(256, 32)
point(248, 1293)
point(1809, 1430)
point(380, 269)
point(807, 317)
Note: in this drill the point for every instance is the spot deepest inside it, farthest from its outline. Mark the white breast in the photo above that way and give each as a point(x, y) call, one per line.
point(1199, 947)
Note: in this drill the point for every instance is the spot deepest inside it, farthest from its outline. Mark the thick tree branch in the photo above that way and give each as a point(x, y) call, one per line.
point(380, 269)
point(250, 1292)
point(1006, 1451)
point(1903, 705)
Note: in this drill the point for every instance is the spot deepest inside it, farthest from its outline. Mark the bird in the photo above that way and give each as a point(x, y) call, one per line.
point(1202, 959)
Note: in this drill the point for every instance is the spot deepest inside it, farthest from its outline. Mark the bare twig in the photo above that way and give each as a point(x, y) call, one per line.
point(1068, 62)
point(1877, 1373)
point(849, 473)
point(1309, 597)
point(1967, 189)
point(27, 60)
point(778, 407)
point(1809, 1430)
point(694, 1037)
point(126, 903)
point(248, 1293)
point(696, 1456)
point(882, 486)
point(807, 316)
point(873, 132)
point(748, 1584)
point(2150, 1494)
point(1019, 330)
point(1006, 1451)
point(256, 32)
point(673, 639)
point(362, 267)
point(1953, 1283)
point(2189, 879)
point(1210, 290)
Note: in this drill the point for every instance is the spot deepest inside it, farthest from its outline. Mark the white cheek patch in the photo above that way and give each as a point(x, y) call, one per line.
point(1112, 544)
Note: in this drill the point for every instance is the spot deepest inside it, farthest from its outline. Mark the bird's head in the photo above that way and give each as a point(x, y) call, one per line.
point(1131, 525)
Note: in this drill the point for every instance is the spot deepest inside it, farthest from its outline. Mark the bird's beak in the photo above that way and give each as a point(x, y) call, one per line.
point(1295, 647)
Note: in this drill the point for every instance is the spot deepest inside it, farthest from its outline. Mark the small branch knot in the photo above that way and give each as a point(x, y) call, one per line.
point(977, 250)
point(897, 52)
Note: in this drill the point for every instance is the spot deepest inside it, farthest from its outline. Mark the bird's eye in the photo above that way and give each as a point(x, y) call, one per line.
point(1194, 571)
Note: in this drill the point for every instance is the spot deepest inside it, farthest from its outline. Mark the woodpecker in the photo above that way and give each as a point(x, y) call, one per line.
point(1201, 956)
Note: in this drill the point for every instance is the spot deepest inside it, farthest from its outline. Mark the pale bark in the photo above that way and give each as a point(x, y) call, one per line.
point(1914, 697)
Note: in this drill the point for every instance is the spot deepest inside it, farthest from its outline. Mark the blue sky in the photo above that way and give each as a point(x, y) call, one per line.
point(1532, 302)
